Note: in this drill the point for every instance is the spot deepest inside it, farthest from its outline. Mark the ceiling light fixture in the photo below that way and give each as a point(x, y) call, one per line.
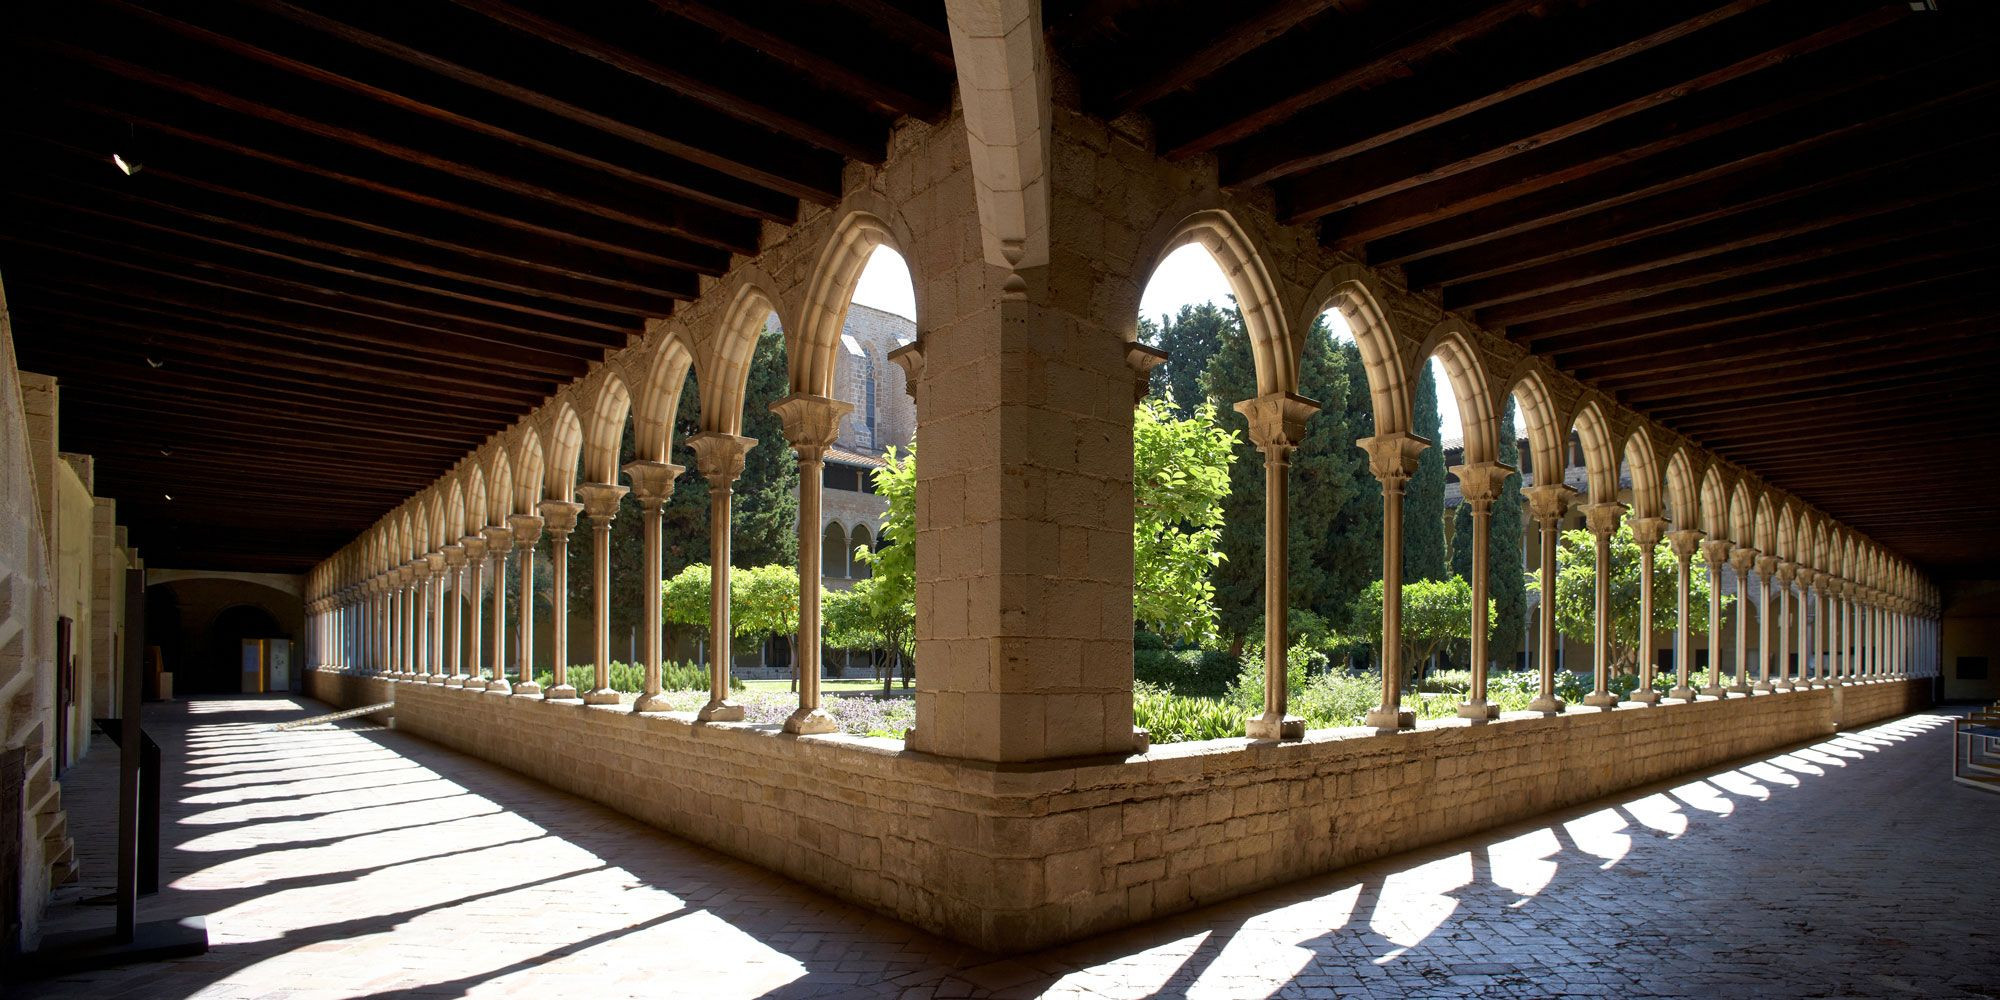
point(130, 167)
point(169, 496)
point(156, 364)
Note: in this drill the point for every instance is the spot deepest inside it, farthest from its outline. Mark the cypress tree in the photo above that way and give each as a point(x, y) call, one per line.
point(1424, 555)
point(1190, 340)
point(1504, 571)
point(1321, 482)
point(1231, 377)
point(1353, 544)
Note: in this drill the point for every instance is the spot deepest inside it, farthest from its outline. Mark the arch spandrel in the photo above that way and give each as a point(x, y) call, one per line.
point(1765, 529)
point(1386, 355)
point(656, 379)
point(1742, 514)
point(452, 503)
point(561, 436)
point(1714, 502)
point(1683, 489)
point(722, 368)
point(1642, 456)
point(530, 472)
point(1786, 545)
point(605, 403)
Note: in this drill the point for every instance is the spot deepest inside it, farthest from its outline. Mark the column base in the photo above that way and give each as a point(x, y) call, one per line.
point(527, 689)
point(1739, 688)
point(720, 710)
point(499, 687)
point(811, 722)
point(600, 696)
point(1681, 694)
point(1716, 692)
point(1547, 706)
point(652, 703)
point(1763, 687)
point(1604, 700)
point(1478, 711)
point(1264, 727)
point(562, 692)
point(1644, 696)
point(1390, 720)
point(439, 680)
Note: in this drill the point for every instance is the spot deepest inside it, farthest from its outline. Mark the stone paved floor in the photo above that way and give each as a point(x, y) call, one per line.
point(343, 862)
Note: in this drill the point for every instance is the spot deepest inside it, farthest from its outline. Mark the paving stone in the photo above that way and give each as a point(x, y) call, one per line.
point(357, 861)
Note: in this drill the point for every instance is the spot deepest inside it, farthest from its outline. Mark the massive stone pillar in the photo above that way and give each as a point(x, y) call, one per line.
point(1765, 566)
point(811, 425)
point(1715, 552)
point(1393, 460)
point(527, 530)
point(1277, 425)
point(559, 520)
point(475, 591)
point(1646, 533)
point(499, 542)
point(1547, 503)
point(719, 457)
point(1741, 559)
point(600, 503)
point(1602, 520)
point(652, 484)
point(1480, 485)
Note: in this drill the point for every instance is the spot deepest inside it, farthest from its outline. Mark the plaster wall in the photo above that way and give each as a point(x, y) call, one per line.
point(1013, 857)
point(1972, 629)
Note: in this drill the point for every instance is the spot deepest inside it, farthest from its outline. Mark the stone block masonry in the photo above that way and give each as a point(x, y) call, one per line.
point(1011, 858)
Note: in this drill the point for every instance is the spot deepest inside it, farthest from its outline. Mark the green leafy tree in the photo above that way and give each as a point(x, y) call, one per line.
point(684, 597)
point(857, 618)
point(1180, 475)
point(1424, 555)
point(1576, 593)
point(891, 586)
point(1436, 613)
point(764, 510)
point(1505, 583)
point(764, 602)
point(1190, 340)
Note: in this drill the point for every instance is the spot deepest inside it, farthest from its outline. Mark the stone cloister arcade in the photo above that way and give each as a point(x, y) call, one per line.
point(1032, 193)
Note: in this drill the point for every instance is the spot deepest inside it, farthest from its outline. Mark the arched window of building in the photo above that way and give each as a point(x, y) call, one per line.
point(833, 558)
point(856, 568)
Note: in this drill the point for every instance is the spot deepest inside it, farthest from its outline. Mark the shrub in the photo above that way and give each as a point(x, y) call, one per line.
point(675, 675)
point(1172, 718)
point(1203, 673)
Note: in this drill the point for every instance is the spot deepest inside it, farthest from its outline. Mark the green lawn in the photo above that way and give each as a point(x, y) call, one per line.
point(827, 686)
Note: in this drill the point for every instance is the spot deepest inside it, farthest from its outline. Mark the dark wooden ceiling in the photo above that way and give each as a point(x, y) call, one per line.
point(1768, 224)
point(364, 236)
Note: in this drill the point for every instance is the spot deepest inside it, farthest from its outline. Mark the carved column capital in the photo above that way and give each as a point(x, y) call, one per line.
point(527, 529)
point(1716, 552)
point(454, 555)
point(811, 422)
point(1742, 558)
point(1143, 360)
point(1785, 571)
point(1766, 566)
point(1277, 421)
point(1602, 518)
point(474, 546)
point(910, 358)
point(1392, 458)
point(499, 539)
point(1548, 502)
point(600, 500)
point(719, 456)
point(1647, 531)
point(1480, 483)
point(652, 482)
point(559, 517)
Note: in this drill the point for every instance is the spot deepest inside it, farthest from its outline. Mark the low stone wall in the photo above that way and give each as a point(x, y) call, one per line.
point(1016, 858)
point(345, 690)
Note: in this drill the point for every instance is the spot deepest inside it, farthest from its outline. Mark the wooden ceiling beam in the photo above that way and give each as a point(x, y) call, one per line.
point(1859, 368)
point(1755, 124)
point(1757, 41)
point(378, 80)
point(834, 54)
point(166, 410)
point(1819, 245)
point(1290, 78)
point(700, 76)
point(1647, 371)
point(1180, 59)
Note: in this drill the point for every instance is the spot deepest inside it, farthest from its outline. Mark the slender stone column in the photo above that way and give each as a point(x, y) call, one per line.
point(1741, 558)
point(1602, 520)
point(1277, 425)
point(499, 542)
point(1393, 460)
point(1784, 572)
point(413, 624)
point(1646, 533)
point(1479, 485)
point(527, 530)
point(434, 597)
point(1810, 618)
point(719, 456)
point(453, 620)
point(559, 520)
point(1842, 615)
point(600, 502)
point(811, 425)
point(1715, 552)
point(1684, 543)
point(1546, 503)
point(1765, 566)
point(652, 484)
point(475, 591)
